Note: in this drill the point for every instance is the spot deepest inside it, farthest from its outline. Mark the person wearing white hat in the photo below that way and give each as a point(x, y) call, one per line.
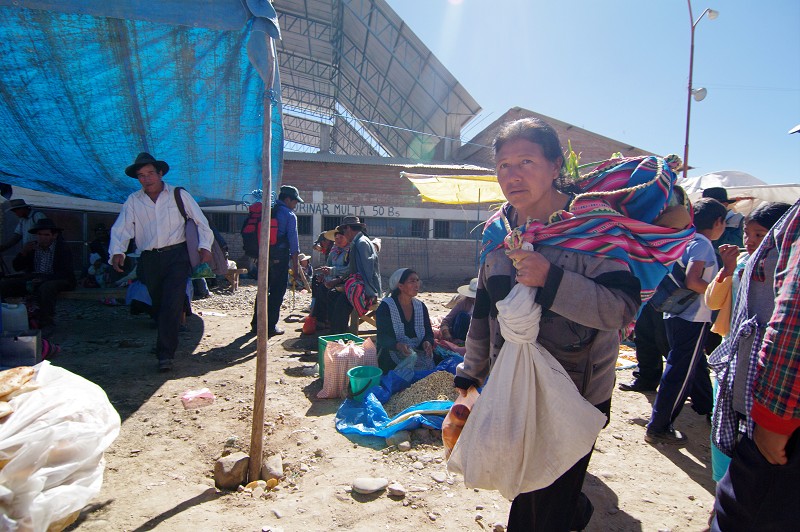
point(306, 272)
point(456, 324)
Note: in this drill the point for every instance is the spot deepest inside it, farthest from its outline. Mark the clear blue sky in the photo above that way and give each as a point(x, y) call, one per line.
point(620, 68)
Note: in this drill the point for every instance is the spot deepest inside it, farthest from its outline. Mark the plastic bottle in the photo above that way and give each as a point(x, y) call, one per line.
point(15, 317)
point(455, 420)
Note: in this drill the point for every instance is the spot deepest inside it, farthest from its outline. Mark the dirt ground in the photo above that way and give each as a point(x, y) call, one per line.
point(159, 473)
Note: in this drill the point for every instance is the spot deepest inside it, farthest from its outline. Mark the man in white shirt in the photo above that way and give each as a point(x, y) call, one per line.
point(151, 217)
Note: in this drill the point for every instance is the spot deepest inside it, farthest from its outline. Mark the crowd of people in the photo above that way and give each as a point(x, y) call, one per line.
point(593, 251)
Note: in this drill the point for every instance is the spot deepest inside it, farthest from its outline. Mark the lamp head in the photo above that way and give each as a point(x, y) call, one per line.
point(712, 14)
point(699, 94)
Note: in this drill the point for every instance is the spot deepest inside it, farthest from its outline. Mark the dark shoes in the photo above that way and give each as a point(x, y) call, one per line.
point(165, 365)
point(670, 437)
point(636, 386)
point(275, 332)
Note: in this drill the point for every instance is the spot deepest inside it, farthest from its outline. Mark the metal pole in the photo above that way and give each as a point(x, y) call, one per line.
point(689, 94)
point(259, 399)
point(478, 240)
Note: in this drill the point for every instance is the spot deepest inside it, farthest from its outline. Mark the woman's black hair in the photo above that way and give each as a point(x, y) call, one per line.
point(767, 214)
point(539, 132)
point(403, 278)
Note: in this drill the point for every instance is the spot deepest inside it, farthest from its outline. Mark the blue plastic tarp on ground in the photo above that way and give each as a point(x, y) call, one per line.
point(368, 418)
point(81, 94)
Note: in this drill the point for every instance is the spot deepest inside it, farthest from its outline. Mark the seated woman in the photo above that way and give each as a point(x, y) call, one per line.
point(330, 276)
point(456, 324)
point(404, 326)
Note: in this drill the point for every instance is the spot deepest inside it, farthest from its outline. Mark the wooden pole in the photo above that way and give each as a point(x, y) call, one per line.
point(259, 399)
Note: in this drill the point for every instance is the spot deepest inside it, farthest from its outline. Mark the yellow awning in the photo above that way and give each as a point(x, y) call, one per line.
point(457, 189)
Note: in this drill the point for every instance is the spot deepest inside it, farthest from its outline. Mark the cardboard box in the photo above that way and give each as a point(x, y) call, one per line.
point(21, 348)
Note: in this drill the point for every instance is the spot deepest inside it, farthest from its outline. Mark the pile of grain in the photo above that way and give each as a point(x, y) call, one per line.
point(438, 386)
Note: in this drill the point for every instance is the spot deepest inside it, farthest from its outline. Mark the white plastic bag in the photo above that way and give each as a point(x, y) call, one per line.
point(53, 443)
point(197, 398)
point(405, 369)
point(530, 423)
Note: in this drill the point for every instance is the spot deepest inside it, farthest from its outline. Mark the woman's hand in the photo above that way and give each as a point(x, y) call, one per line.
point(445, 331)
point(403, 349)
point(532, 267)
point(326, 270)
point(428, 348)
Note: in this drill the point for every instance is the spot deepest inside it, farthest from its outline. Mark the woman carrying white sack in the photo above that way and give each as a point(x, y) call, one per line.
point(586, 297)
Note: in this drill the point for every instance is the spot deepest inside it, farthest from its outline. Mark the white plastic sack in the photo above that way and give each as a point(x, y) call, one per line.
point(54, 443)
point(530, 423)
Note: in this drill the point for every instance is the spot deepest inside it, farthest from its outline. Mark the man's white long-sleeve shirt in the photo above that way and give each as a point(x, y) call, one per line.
point(157, 224)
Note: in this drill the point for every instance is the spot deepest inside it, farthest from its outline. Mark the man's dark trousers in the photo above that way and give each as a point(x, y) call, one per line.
point(650, 337)
point(165, 273)
point(278, 280)
point(757, 495)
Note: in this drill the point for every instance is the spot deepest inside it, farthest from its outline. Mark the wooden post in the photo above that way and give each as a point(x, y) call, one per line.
point(257, 431)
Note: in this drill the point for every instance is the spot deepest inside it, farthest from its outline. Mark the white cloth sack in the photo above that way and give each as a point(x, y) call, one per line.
point(54, 443)
point(530, 423)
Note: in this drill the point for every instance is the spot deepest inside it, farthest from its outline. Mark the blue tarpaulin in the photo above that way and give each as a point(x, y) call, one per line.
point(369, 418)
point(86, 85)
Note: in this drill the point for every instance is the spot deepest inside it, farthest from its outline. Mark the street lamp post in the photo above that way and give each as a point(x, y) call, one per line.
point(698, 94)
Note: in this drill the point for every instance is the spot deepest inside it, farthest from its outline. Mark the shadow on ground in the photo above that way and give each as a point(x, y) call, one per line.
point(113, 349)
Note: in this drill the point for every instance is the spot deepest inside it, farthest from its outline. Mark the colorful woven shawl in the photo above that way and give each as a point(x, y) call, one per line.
point(354, 290)
point(612, 216)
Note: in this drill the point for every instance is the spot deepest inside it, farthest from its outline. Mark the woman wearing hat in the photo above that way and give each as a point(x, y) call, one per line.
point(324, 243)
point(330, 276)
point(403, 323)
point(456, 324)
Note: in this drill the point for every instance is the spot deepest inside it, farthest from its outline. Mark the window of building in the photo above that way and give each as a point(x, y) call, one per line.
point(330, 222)
point(456, 229)
point(398, 227)
point(304, 225)
point(225, 222)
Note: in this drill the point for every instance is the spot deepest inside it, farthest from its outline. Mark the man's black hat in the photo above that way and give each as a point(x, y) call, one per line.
point(143, 159)
point(44, 223)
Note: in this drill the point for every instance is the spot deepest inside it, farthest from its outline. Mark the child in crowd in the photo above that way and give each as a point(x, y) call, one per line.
point(302, 281)
point(720, 292)
point(686, 371)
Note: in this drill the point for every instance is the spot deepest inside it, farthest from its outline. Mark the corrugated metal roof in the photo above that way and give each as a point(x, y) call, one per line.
point(357, 67)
